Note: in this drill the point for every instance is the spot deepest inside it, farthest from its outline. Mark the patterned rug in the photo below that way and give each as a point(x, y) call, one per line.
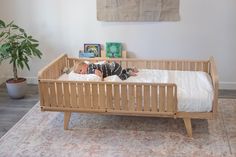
point(41, 134)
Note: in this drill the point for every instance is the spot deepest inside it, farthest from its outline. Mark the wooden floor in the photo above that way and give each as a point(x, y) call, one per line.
point(12, 110)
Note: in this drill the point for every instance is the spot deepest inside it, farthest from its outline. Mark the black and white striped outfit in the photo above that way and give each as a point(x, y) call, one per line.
point(109, 69)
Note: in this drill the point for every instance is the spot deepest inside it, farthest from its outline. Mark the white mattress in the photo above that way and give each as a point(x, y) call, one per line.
point(194, 89)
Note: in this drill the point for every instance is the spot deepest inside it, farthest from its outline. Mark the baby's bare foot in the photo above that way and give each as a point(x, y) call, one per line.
point(133, 74)
point(135, 70)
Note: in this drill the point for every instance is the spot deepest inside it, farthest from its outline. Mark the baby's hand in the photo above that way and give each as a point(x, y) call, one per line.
point(98, 73)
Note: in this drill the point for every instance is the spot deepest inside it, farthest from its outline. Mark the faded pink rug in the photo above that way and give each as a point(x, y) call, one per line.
point(41, 134)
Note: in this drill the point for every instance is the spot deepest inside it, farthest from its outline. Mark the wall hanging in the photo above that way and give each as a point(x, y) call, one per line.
point(138, 10)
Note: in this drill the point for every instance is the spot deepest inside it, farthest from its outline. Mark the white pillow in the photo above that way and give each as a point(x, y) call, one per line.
point(72, 76)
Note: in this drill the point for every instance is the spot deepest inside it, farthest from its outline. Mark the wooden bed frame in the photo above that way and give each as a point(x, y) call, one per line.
point(121, 98)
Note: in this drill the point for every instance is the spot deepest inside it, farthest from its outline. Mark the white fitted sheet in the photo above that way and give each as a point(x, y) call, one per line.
point(194, 89)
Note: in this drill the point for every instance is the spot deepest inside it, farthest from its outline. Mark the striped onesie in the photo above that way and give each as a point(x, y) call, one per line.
point(109, 69)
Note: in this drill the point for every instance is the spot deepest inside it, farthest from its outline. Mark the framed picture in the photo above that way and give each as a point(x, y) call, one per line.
point(93, 48)
point(113, 50)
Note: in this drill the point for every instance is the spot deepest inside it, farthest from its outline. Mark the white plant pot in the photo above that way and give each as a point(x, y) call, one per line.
point(16, 90)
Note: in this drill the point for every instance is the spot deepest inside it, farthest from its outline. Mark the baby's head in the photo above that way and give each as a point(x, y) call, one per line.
point(81, 68)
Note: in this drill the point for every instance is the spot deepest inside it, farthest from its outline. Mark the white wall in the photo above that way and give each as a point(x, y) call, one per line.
point(207, 28)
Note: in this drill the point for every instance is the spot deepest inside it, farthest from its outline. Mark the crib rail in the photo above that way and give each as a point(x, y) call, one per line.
point(110, 97)
point(54, 69)
point(183, 65)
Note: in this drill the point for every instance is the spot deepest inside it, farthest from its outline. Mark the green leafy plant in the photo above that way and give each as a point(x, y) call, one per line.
point(17, 46)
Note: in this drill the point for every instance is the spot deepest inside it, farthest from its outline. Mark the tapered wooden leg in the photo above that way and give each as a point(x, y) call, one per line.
point(67, 116)
point(188, 126)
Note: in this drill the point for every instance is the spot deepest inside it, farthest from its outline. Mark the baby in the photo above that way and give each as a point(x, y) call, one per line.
point(105, 69)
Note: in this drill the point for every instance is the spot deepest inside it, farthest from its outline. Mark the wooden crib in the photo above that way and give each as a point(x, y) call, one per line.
point(120, 98)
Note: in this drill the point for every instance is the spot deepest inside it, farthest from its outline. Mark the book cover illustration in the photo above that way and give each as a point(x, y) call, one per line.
point(113, 50)
point(93, 48)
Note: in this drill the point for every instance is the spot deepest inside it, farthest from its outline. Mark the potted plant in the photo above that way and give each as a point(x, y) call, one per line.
point(17, 47)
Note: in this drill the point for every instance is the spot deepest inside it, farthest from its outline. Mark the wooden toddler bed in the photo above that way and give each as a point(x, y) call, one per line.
point(121, 98)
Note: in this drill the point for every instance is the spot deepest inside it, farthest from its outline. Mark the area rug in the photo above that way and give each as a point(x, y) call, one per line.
point(41, 134)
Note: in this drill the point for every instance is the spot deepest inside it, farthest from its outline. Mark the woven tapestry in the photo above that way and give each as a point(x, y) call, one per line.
point(138, 10)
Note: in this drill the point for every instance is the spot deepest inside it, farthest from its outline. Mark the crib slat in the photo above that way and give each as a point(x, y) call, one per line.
point(161, 98)
point(53, 100)
point(139, 97)
point(102, 97)
point(205, 67)
point(173, 65)
point(192, 66)
point(148, 64)
point(59, 94)
point(117, 96)
point(179, 65)
point(95, 96)
point(154, 65)
point(109, 96)
point(146, 98)
point(154, 101)
point(73, 95)
point(124, 100)
point(87, 96)
point(170, 105)
point(166, 65)
point(80, 99)
point(199, 66)
point(45, 94)
point(131, 101)
point(161, 65)
point(186, 65)
point(67, 95)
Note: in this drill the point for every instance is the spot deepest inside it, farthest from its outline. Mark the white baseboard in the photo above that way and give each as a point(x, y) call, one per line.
point(228, 85)
point(2, 80)
point(32, 80)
